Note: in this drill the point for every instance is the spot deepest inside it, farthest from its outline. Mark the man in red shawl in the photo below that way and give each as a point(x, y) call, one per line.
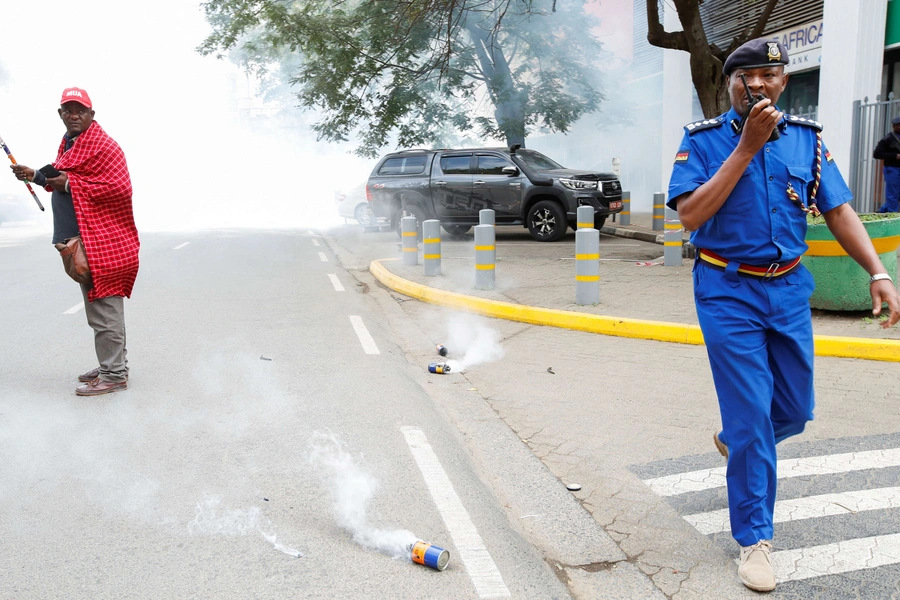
point(91, 197)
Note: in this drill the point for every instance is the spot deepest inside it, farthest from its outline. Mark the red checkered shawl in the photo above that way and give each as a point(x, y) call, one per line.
point(101, 192)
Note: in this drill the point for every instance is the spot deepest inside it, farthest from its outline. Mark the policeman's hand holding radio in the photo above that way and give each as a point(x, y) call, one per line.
point(759, 124)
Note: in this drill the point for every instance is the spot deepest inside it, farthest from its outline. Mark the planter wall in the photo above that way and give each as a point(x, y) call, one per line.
point(841, 284)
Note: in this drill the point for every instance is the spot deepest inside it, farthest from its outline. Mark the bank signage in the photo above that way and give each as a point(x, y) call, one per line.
point(804, 45)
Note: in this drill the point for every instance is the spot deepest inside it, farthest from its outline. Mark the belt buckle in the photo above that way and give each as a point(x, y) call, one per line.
point(770, 272)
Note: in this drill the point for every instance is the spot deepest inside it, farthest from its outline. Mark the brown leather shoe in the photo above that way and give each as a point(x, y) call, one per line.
point(89, 376)
point(98, 387)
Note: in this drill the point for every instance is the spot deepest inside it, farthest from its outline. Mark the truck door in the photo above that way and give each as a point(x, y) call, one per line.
point(496, 189)
point(451, 188)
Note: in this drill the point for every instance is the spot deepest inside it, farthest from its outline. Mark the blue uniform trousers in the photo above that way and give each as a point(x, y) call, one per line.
point(891, 190)
point(758, 334)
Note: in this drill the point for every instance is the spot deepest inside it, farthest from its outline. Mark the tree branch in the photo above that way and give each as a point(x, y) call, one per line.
point(657, 34)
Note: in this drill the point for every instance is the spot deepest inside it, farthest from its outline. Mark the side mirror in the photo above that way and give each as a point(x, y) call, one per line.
point(510, 170)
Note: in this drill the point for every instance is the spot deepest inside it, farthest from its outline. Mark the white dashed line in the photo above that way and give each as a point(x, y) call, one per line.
point(706, 479)
point(315, 242)
point(840, 557)
point(338, 287)
point(322, 257)
point(365, 338)
point(478, 562)
point(180, 246)
point(74, 309)
point(812, 507)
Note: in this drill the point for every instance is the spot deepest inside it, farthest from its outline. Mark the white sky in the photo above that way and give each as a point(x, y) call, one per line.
point(171, 110)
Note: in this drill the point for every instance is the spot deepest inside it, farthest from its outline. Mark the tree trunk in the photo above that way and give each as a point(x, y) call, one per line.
point(509, 105)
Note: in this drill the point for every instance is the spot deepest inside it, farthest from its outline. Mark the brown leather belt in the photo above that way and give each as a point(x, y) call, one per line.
point(760, 272)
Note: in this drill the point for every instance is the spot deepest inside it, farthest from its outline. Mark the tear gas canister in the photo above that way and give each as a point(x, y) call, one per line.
point(441, 368)
point(442, 350)
point(429, 555)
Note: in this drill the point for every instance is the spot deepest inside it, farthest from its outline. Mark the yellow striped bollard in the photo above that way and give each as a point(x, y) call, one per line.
point(625, 215)
point(672, 239)
point(409, 232)
point(431, 238)
point(485, 257)
point(659, 214)
point(587, 258)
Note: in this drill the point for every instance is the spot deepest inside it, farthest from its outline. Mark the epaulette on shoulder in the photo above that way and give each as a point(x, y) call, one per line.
point(704, 124)
point(804, 121)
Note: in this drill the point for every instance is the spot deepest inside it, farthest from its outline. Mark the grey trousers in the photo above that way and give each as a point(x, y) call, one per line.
point(106, 316)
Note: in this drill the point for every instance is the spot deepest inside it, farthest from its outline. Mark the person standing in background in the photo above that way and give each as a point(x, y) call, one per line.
point(888, 150)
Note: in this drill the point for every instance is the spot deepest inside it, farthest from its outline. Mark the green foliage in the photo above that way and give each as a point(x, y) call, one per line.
point(418, 71)
point(865, 217)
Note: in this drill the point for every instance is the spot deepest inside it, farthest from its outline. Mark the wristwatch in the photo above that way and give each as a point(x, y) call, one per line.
point(878, 277)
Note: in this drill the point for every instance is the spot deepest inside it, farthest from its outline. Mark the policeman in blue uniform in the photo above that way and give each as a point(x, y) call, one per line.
point(743, 183)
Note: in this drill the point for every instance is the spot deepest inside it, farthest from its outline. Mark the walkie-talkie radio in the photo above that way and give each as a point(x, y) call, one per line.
point(751, 103)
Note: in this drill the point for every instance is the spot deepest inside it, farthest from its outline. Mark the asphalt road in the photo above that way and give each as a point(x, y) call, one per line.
point(245, 358)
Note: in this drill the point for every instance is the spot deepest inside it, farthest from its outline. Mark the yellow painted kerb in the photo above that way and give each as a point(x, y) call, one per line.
point(842, 347)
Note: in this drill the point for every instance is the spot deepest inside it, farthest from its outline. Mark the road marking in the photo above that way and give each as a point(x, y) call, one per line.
point(813, 507)
point(478, 562)
point(74, 309)
point(706, 479)
point(365, 338)
point(322, 257)
point(180, 246)
point(315, 242)
point(336, 282)
point(840, 557)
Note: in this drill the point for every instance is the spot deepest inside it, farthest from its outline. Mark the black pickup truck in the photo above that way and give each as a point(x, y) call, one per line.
point(523, 187)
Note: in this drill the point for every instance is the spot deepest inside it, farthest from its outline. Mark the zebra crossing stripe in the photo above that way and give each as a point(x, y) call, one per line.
point(813, 507)
point(706, 479)
point(841, 557)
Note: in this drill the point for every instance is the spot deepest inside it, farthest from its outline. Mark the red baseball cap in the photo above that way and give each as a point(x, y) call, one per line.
point(75, 94)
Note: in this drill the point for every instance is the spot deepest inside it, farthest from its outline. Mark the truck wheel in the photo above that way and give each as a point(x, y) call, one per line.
point(456, 230)
point(599, 222)
point(547, 221)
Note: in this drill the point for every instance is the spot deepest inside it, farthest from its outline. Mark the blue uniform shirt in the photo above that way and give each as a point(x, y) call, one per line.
point(758, 224)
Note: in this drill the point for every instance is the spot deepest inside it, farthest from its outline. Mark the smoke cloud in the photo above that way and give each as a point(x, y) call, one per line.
point(353, 489)
point(470, 336)
point(212, 519)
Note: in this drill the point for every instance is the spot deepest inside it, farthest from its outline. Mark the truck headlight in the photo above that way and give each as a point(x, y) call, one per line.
point(578, 184)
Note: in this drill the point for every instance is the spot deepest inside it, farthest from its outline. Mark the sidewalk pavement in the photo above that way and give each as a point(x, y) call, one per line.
point(537, 275)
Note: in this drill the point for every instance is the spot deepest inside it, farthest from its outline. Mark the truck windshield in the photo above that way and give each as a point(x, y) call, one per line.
point(537, 161)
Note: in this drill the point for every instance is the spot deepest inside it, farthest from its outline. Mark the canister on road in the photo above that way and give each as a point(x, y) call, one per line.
point(442, 350)
point(429, 555)
point(441, 368)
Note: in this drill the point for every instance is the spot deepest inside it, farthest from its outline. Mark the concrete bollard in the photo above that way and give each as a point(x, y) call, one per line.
point(672, 239)
point(587, 266)
point(486, 217)
point(625, 215)
point(431, 237)
point(485, 257)
point(410, 243)
point(585, 217)
point(659, 215)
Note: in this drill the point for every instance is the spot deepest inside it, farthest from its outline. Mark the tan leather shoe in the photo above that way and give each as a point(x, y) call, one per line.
point(98, 387)
point(756, 570)
point(89, 376)
point(722, 448)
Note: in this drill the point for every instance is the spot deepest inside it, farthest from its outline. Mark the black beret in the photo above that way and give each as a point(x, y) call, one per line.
point(756, 53)
point(895, 121)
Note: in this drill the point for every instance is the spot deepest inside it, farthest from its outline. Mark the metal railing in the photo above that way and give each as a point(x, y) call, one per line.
point(871, 122)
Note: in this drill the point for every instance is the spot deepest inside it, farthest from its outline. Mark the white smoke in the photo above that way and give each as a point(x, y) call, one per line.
point(470, 337)
point(353, 489)
point(211, 519)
